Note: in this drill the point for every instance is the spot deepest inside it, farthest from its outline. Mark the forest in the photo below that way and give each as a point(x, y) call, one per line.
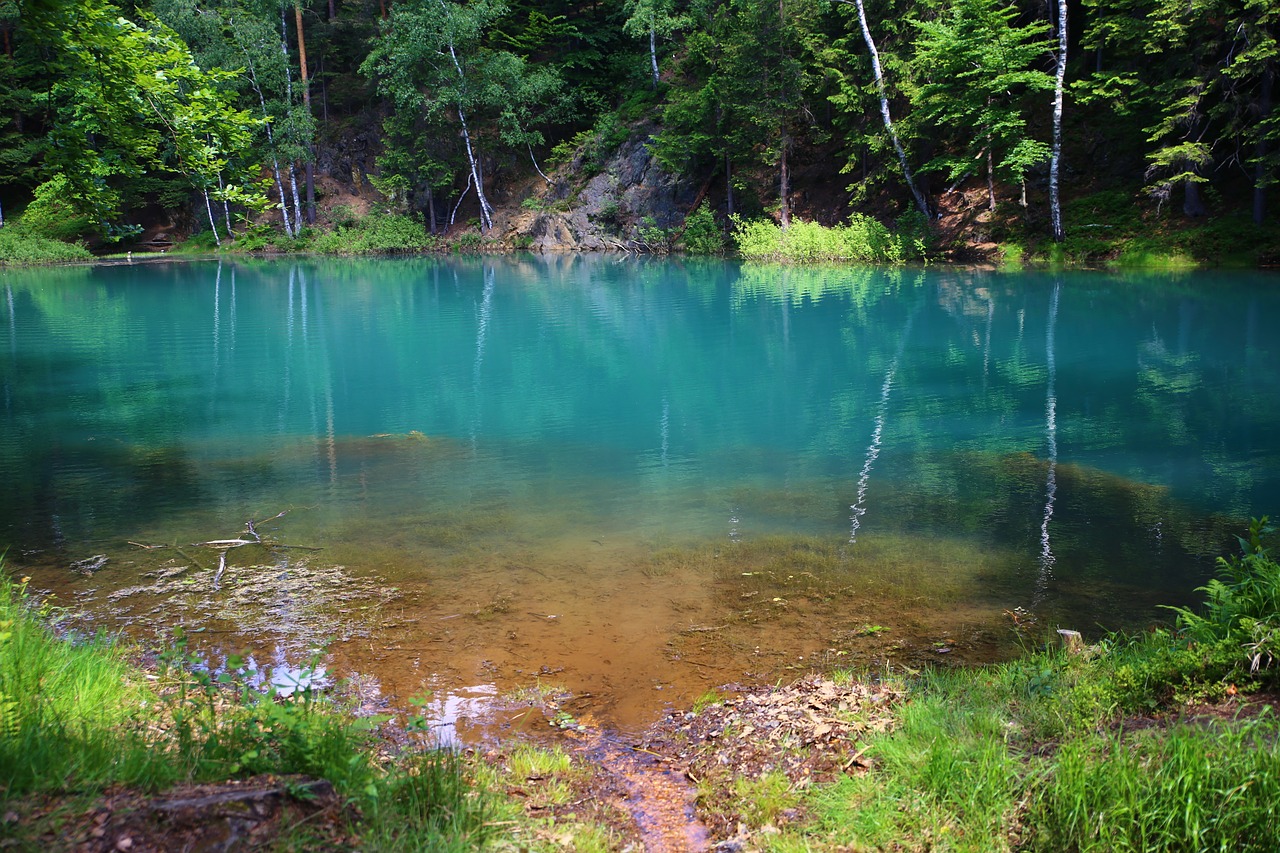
point(233, 116)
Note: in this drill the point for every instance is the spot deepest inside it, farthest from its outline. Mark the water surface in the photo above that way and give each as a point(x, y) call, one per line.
point(630, 479)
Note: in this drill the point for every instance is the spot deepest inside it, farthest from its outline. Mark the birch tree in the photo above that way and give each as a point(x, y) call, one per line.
point(654, 19)
point(431, 62)
point(977, 68)
point(1055, 157)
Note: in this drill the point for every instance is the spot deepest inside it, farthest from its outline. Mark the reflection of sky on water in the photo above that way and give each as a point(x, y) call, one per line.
point(451, 713)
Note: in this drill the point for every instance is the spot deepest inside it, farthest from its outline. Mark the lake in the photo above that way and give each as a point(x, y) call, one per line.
point(627, 481)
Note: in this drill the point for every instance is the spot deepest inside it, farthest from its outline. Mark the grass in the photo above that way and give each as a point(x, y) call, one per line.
point(1120, 229)
point(77, 717)
point(1089, 752)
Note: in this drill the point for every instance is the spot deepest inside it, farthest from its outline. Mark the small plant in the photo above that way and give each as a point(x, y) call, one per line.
point(763, 800)
point(1242, 606)
point(709, 699)
point(343, 215)
point(653, 238)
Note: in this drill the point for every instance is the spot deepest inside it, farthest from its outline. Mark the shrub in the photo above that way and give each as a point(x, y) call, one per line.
point(17, 247)
point(702, 235)
point(50, 214)
point(1242, 606)
point(384, 233)
point(862, 239)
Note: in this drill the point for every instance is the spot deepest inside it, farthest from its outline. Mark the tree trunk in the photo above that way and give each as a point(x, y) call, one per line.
point(288, 88)
point(333, 10)
point(271, 144)
point(1192, 203)
point(784, 186)
point(653, 53)
point(921, 202)
point(208, 206)
point(1, 215)
point(431, 211)
point(1055, 159)
point(297, 203)
point(306, 100)
point(486, 212)
point(728, 184)
point(991, 178)
point(1260, 151)
point(226, 208)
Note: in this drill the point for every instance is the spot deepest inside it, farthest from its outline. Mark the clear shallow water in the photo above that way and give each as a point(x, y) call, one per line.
point(630, 476)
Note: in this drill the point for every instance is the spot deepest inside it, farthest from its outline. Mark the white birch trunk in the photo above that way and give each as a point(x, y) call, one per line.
point(297, 202)
point(486, 211)
point(653, 53)
point(288, 91)
point(1055, 159)
point(208, 206)
point(226, 208)
point(271, 143)
point(884, 112)
point(784, 185)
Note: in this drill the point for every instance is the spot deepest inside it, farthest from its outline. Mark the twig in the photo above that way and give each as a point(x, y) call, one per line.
point(145, 547)
point(223, 543)
point(274, 545)
point(222, 567)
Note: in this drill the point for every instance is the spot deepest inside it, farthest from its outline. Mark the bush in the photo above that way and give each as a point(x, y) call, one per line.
point(702, 235)
point(385, 233)
point(863, 239)
point(17, 247)
point(50, 214)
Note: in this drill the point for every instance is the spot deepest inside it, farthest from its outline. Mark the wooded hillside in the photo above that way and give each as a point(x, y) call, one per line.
point(111, 113)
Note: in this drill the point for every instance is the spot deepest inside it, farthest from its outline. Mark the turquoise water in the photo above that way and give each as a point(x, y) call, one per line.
point(1075, 443)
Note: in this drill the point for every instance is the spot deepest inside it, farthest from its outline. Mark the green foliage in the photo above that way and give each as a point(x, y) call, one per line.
point(70, 708)
point(75, 715)
point(977, 81)
point(128, 101)
point(652, 237)
point(17, 248)
point(1191, 788)
point(862, 239)
point(1242, 604)
point(385, 233)
point(702, 234)
point(51, 213)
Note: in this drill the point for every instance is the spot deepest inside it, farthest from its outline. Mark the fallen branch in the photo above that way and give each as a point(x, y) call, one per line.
point(222, 567)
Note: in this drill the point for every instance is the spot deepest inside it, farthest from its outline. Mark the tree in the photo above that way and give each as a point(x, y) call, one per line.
point(654, 19)
point(1197, 78)
point(745, 86)
point(433, 65)
point(1055, 156)
point(128, 100)
point(921, 202)
point(977, 70)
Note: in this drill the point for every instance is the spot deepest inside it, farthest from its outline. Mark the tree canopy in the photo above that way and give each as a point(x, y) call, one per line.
point(199, 103)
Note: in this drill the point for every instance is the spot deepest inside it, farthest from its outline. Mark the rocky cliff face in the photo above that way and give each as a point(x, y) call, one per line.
point(600, 212)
